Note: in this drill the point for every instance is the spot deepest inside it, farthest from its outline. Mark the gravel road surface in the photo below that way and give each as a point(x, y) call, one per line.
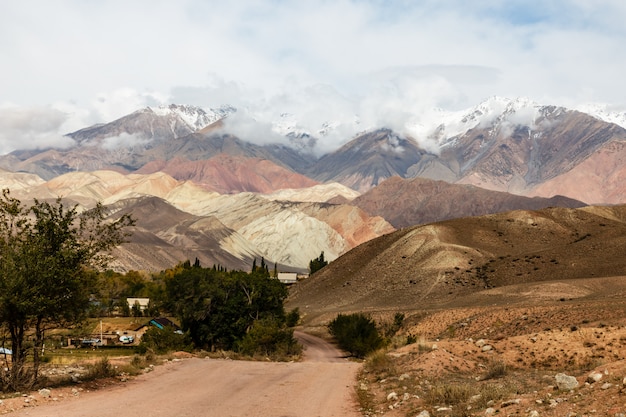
point(321, 385)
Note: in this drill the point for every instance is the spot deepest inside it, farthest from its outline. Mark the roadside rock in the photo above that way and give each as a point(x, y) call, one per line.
point(44, 392)
point(594, 377)
point(566, 382)
point(393, 396)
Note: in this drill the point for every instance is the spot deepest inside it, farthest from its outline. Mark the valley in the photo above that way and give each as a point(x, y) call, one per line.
point(503, 227)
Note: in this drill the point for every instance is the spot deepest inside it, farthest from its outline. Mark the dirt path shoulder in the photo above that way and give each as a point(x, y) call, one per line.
point(321, 385)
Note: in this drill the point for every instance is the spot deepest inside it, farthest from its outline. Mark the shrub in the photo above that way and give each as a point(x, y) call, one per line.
point(490, 393)
point(380, 363)
point(356, 333)
point(101, 369)
point(292, 318)
point(443, 393)
point(495, 369)
point(269, 339)
point(389, 329)
point(163, 341)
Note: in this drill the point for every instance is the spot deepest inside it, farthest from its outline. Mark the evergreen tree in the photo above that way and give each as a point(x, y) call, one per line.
point(317, 263)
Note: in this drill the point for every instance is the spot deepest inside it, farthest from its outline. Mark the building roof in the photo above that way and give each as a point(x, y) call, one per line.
point(159, 322)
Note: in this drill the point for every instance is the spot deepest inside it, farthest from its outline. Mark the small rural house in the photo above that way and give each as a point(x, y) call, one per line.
point(158, 322)
point(143, 303)
point(288, 277)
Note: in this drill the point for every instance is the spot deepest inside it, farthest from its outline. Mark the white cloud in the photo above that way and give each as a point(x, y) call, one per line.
point(124, 140)
point(118, 103)
point(31, 128)
point(387, 62)
point(244, 125)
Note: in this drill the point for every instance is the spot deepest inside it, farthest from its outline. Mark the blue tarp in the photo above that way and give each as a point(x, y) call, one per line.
point(5, 351)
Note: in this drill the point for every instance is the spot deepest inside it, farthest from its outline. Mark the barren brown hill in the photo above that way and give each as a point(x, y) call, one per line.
point(228, 174)
point(407, 202)
point(601, 178)
point(352, 223)
point(165, 236)
point(446, 262)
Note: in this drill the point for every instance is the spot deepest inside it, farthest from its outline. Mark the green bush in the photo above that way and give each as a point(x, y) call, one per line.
point(163, 341)
point(293, 318)
point(356, 334)
point(269, 339)
point(217, 309)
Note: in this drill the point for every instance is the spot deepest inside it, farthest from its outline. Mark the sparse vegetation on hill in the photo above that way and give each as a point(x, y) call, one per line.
point(441, 263)
point(317, 263)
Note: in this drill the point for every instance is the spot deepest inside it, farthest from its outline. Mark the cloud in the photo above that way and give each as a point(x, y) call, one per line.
point(118, 103)
point(124, 140)
point(399, 99)
point(388, 62)
point(243, 125)
point(31, 128)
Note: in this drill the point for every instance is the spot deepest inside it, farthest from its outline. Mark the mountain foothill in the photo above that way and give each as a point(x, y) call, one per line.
point(515, 194)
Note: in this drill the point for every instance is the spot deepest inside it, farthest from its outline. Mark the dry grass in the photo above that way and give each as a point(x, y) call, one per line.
point(495, 369)
point(529, 346)
point(380, 363)
point(445, 393)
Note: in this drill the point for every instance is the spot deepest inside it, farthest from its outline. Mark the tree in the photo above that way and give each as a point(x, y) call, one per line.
point(47, 252)
point(136, 309)
point(218, 308)
point(317, 263)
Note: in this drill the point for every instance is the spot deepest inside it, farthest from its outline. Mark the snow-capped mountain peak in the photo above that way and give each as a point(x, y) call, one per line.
point(195, 117)
point(604, 112)
point(443, 126)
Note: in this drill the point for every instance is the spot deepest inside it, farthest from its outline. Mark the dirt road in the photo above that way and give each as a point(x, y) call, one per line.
point(321, 385)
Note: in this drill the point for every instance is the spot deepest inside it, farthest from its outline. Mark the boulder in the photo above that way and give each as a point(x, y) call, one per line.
point(594, 377)
point(566, 382)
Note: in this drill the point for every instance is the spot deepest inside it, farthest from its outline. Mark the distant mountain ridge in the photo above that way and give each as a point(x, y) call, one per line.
point(407, 202)
point(179, 220)
point(516, 146)
point(519, 149)
point(226, 200)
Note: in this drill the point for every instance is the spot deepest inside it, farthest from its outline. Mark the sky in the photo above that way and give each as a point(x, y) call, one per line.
point(68, 64)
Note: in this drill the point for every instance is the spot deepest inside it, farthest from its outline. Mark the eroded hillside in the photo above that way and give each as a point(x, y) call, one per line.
point(443, 263)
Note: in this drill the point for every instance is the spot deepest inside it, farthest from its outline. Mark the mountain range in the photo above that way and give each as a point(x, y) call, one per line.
point(202, 191)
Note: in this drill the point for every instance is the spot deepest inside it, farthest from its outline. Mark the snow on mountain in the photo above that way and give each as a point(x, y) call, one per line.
point(604, 112)
point(195, 117)
point(290, 125)
point(436, 125)
point(433, 129)
point(495, 111)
